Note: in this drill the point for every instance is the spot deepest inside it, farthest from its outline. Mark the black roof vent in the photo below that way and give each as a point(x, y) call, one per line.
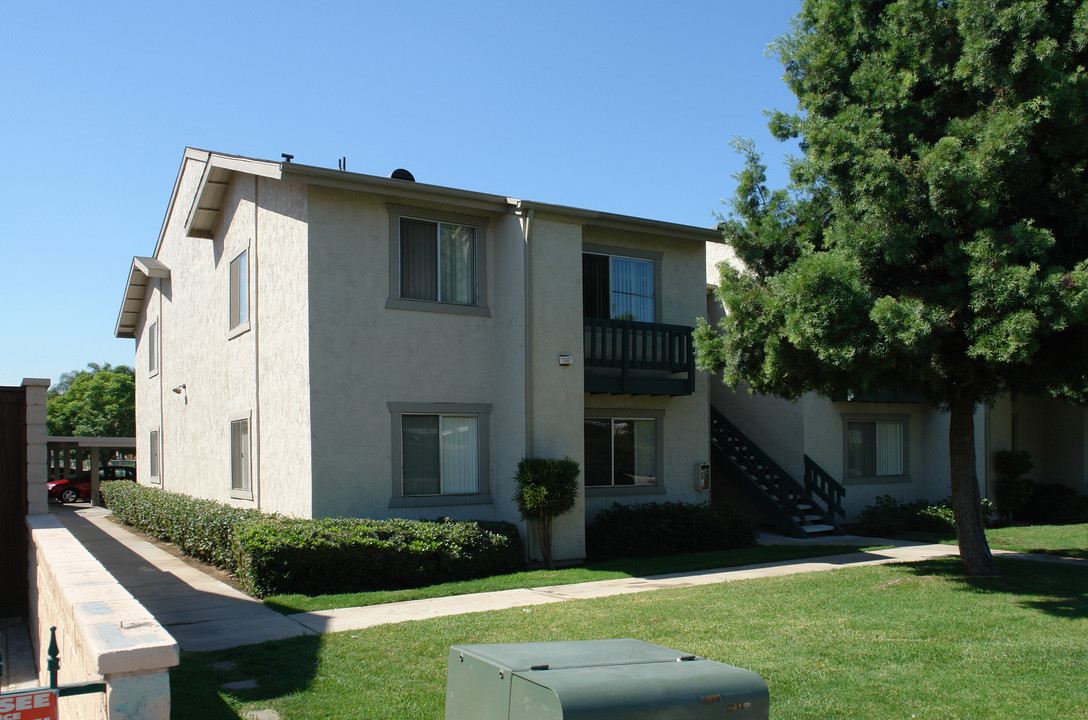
point(402, 174)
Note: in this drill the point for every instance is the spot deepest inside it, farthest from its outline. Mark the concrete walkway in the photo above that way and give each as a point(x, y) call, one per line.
point(200, 611)
point(203, 613)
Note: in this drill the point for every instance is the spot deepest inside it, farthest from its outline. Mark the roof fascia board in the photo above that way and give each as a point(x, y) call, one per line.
point(133, 280)
point(625, 223)
point(151, 267)
point(388, 187)
point(189, 154)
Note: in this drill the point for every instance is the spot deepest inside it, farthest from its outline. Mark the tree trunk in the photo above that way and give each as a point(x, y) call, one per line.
point(544, 534)
point(974, 550)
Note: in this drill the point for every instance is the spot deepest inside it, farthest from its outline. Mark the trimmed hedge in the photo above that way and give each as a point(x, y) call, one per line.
point(203, 529)
point(668, 528)
point(336, 555)
point(273, 554)
point(889, 518)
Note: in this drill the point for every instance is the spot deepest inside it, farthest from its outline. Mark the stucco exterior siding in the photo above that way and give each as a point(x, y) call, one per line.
point(364, 356)
point(280, 328)
point(557, 391)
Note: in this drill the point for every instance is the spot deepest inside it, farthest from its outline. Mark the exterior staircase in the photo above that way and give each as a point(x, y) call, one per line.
point(795, 509)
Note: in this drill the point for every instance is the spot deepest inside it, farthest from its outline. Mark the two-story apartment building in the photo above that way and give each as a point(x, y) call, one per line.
point(315, 342)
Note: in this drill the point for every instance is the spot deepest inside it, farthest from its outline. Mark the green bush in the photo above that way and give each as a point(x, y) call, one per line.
point(270, 553)
point(1013, 490)
point(1054, 504)
point(546, 488)
point(203, 529)
point(889, 518)
point(336, 555)
point(648, 529)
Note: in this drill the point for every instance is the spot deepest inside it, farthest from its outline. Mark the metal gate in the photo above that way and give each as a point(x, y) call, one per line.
point(13, 532)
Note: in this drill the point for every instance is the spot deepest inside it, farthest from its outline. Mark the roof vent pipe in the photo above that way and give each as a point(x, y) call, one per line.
point(402, 174)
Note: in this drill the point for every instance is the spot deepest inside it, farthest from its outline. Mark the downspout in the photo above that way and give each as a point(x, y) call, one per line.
point(255, 328)
point(528, 318)
point(162, 401)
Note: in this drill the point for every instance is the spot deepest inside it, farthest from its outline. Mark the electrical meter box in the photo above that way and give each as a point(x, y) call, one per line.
point(598, 680)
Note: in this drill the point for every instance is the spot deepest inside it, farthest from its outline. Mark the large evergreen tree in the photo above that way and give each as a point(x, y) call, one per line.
point(935, 233)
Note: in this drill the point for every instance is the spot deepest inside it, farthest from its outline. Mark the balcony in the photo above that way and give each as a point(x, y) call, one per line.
point(623, 357)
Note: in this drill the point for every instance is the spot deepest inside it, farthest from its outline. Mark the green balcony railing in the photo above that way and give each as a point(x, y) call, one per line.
point(638, 358)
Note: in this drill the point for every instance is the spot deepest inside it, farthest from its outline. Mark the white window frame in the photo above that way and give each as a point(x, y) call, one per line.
point(153, 344)
point(238, 282)
point(439, 217)
point(902, 477)
point(481, 412)
point(154, 457)
point(241, 488)
point(613, 415)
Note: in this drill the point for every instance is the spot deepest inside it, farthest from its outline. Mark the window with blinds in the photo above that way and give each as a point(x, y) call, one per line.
point(875, 448)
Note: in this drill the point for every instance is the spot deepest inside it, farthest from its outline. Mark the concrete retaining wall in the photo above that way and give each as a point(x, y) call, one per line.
point(103, 632)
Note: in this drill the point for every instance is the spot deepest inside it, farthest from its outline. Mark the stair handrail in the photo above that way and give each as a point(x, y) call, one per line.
point(820, 483)
point(785, 489)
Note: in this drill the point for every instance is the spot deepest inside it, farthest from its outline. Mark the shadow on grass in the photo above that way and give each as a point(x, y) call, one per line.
point(202, 684)
point(1060, 590)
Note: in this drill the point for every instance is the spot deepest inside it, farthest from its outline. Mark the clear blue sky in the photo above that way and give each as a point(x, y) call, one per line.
point(624, 107)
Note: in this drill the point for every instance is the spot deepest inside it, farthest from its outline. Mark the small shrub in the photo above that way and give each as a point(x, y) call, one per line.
point(1013, 463)
point(1014, 491)
point(1055, 504)
point(890, 518)
point(545, 490)
point(648, 529)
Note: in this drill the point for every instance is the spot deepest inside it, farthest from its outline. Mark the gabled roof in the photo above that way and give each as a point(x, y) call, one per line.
point(203, 214)
point(142, 269)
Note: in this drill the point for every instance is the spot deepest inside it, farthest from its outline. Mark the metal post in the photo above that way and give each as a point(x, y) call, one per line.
point(53, 664)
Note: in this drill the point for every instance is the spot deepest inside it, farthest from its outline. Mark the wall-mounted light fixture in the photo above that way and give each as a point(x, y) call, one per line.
point(180, 390)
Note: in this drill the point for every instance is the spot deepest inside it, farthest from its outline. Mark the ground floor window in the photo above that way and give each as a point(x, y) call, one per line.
point(153, 470)
point(440, 453)
point(621, 451)
point(876, 447)
point(240, 481)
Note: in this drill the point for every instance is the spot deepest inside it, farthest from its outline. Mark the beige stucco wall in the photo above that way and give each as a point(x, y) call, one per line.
point(557, 391)
point(364, 356)
point(1055, 434)
point(686, 441)
point(219, 367)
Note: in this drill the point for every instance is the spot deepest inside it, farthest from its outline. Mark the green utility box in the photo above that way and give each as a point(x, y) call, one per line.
point(598, 679)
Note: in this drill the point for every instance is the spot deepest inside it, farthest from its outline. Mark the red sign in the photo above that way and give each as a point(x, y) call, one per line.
point(29, 705)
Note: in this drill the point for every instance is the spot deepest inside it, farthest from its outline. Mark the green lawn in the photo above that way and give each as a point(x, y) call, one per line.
point(634, 567)
point(1062, 540)
point(1065, 540)
point(891, 641)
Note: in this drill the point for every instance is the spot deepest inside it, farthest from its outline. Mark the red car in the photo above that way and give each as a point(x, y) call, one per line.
point(79, 485)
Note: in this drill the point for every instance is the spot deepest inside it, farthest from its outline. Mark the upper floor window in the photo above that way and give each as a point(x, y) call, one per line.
point(239, 290)
point(437, 261)
point(153, 348)
point(618, 287)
